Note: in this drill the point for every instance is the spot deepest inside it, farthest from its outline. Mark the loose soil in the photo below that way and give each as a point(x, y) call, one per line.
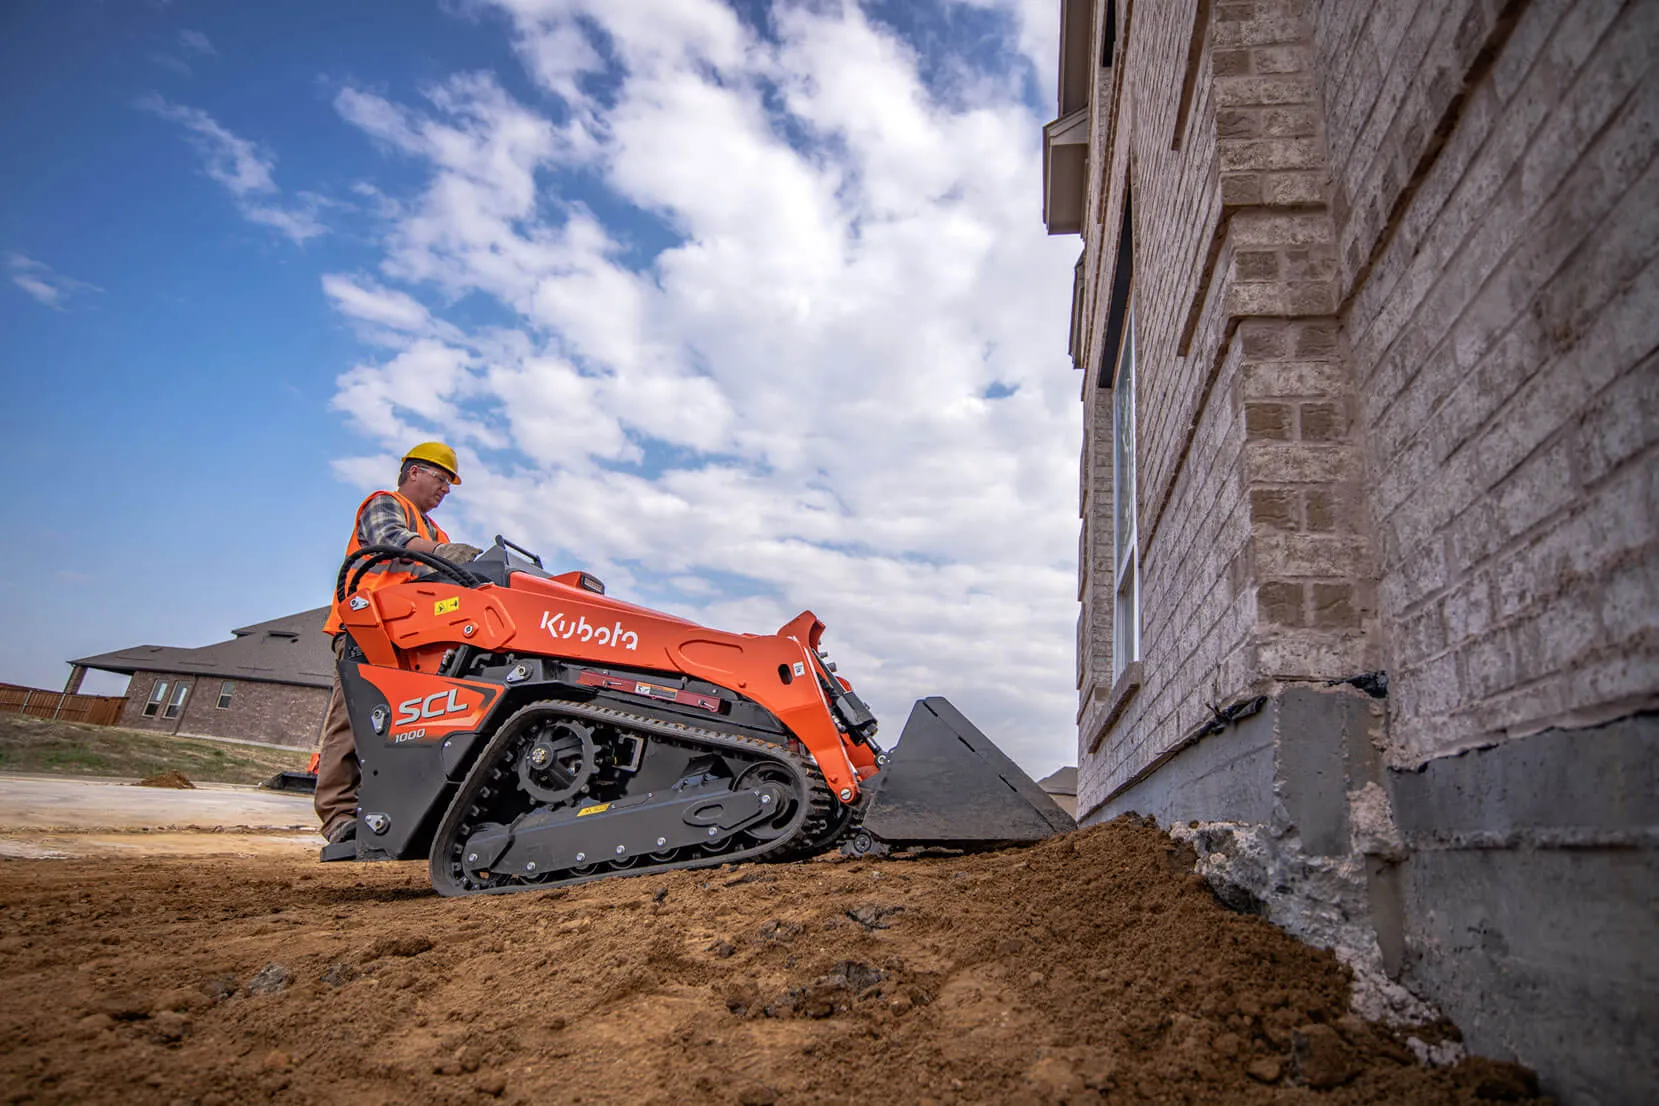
point(1091, 966)
point(178, 781)
point(45, 747)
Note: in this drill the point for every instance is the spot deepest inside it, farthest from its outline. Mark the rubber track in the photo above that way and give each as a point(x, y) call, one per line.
point(806, 836)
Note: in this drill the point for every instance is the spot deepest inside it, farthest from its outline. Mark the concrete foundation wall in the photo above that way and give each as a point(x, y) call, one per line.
point(1531, 892)
point(1293, 764)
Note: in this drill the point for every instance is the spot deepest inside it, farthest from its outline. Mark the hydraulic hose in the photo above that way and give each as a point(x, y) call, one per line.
point(371, 555)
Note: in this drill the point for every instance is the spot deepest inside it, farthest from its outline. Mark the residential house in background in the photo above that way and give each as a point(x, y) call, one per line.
point(1366, 320)
point(1061, 786)
point(269, 683)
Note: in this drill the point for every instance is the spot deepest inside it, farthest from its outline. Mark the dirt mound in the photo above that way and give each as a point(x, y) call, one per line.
point(1094, 965)
point(176, 780)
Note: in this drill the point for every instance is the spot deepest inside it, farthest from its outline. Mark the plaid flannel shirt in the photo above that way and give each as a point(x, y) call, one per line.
point(384, 523)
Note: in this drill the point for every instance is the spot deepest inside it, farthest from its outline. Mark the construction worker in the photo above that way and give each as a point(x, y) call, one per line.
point(402, 518)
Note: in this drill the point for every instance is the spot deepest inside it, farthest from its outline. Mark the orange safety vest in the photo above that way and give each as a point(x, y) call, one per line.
point(386, 573)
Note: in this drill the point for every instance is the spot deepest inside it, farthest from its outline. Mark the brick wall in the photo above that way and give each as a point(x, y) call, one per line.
point(1255, 545)
point(1494, 164)
point(1094, 561)
point(1396, 394)
point(1176, 205)
point(278, 714)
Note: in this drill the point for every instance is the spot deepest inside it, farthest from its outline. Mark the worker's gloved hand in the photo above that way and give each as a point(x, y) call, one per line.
point(457, 552)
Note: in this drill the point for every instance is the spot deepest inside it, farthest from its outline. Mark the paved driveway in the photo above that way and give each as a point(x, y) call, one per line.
point(43, 802)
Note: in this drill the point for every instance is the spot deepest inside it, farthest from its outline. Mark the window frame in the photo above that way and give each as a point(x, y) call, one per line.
point(1126, 565)
point(158, 695)
point(175, 705)
point(227, 688)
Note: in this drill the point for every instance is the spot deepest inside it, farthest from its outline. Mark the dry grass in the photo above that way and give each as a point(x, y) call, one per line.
point(36, 745)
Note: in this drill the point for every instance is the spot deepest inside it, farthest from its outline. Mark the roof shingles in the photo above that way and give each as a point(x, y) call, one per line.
point(287, 650)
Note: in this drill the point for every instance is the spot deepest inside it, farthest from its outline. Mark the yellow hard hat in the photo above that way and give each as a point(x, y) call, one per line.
point(436, 453)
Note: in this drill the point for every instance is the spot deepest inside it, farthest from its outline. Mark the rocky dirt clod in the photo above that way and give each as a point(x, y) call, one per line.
point(870, 915)
point(1320, 1058)
point(270, 979)
point(338, 974)
point(408, 944)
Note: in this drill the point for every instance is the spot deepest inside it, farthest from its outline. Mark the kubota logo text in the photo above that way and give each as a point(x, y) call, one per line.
point(436, 705)
point(557, 624)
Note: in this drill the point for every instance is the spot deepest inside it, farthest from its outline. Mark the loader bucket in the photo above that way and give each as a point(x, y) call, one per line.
point(291, 781)
point(947, 784)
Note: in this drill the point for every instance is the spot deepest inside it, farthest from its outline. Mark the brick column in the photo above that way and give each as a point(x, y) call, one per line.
point(77, 673)
point(1309, 552)
point(1310, 547)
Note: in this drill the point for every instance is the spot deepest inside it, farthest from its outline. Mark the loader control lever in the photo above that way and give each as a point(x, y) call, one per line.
point(533, 558)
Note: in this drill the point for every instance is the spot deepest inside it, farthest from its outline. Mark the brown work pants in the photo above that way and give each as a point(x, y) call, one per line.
point(337, 770)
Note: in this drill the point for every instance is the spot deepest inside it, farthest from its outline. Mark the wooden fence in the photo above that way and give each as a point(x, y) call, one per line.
point(99, 710)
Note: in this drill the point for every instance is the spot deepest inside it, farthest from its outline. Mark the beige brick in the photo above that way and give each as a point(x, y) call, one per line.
point(1309, 264)
point(1275, 508)
point(1281, 603)
point(1282, 556)
point(1316, 340)
point(1313, 655)
point(1279, 59)
point(1263, 341)
point(1288, 122)
point(1238, 123)
point(1330, 508)
point(1256, 265)
point(1230, 63)
point(1241, 189)
point(1293, 189)
point(1335, 606)
point(1292, 378)
point(1264, 91)
point(1273, 462)
point(1270, 154)
point(1322, 422)
point(1269, 420)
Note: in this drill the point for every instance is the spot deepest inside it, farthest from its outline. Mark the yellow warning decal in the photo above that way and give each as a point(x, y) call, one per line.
point(444, 606)
point(597, 808)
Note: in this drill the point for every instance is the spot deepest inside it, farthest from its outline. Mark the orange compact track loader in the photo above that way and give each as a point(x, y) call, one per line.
point(522, 729)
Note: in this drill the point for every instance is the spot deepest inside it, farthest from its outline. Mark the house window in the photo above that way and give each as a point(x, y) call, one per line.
point(1126, 614)
point(225, 690)
point(176, 703)
point(158, 694)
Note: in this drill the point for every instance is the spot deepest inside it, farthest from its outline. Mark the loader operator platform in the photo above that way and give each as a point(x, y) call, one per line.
point(401, 518)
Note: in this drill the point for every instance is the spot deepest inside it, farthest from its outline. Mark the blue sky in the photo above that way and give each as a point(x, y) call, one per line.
point(747, 310)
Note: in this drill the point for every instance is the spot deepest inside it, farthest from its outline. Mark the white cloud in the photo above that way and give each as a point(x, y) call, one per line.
point(371, 303)
point(1038, 36)
point(45, 284)
point(168, 61)
point(785, 407)
point(194, 42)
point(245, 171)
